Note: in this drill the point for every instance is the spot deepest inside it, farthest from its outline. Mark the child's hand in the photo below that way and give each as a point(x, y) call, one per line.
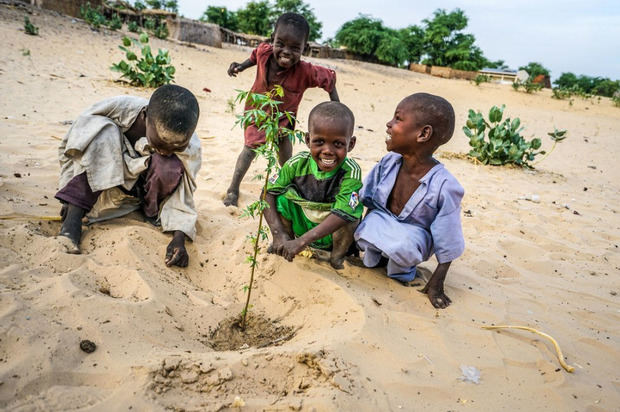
point(234, 69)
point(291, 248)
point(434, 287)
point(176, 255)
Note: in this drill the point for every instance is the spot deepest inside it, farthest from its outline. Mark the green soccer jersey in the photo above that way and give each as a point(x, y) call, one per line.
point(337, 191)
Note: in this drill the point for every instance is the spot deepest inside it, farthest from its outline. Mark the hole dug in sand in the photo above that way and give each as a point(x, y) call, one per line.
point(259, 332)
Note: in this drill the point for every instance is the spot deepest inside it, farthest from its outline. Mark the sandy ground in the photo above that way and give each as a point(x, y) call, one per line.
point(363, 342)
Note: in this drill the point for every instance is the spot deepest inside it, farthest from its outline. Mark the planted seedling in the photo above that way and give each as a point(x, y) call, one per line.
point(266, 115)
point(146, 70)
point(505, 143)
point(30, 28)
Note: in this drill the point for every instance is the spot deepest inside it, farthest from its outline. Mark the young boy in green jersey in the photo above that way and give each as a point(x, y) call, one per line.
point(314, 199)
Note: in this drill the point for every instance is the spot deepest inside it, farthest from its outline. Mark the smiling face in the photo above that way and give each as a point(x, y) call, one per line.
point(288, 45)
point(405, 132)
point(329, 141)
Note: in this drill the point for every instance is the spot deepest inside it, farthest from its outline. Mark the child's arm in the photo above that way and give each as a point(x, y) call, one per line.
point(434, 287)
point(239, 67)
point(278, 231)
point(333, 95)
point(328, 226)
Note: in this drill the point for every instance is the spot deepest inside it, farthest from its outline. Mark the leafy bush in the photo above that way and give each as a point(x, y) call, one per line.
point(601, 86)
point(528, 85)
point(505, 143)
point(161, 31)
point(115, 23)
point(133, 27)
point(146, 71)
point(94, 17)
point(157, 28)
point(481, 78)
point(30, 28)
point(616, 100)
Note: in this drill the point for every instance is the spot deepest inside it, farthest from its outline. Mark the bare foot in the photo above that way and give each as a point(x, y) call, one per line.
point(337, 263)
point(355, 261)
point(231, 198)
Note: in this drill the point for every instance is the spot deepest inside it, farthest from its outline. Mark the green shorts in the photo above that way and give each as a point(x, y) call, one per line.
point(301, 224)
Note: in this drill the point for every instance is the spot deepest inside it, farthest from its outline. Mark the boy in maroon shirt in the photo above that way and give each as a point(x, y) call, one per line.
point(278, 64)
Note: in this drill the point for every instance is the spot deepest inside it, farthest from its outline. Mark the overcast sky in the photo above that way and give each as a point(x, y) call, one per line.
point(582, 37)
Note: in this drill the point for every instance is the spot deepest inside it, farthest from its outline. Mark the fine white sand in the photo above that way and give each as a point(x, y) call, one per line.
point(364, 342)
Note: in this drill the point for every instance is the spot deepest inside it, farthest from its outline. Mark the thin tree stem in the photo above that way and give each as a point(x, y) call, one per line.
point(260, 225)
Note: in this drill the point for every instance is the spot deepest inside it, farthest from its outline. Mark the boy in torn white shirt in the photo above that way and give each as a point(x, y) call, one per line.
point(127, 153)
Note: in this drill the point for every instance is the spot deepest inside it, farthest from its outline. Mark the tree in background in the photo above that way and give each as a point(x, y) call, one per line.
point(368, 37)
point(170, 5)
point(413, 38)
point(445, 44)
point(535, 69)
point(255, 18)
point(601, 86)
point(299, 7)
point(221, 16)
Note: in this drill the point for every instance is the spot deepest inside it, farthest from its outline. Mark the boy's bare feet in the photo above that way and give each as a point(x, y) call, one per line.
point(336, 262)
point(231, 198)
point(72, 226)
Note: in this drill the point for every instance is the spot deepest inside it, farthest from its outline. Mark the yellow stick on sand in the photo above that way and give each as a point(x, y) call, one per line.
point(555, 344)
point(19, 216)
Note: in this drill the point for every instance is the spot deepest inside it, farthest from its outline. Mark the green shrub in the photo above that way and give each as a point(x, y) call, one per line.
point(150, 23)
point(161, 31)
point(30, 28)
point(94, 17)
point(147, 70)
point(115, 23)
point(616, 100)
point(133, 27)
point(528, 85)
point(481, 78)
point(505, 143)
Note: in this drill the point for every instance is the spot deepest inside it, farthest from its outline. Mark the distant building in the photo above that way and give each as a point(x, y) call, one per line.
point(501, 76)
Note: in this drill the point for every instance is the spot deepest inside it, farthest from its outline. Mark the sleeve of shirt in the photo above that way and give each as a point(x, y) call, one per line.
point(281, 179)
point(321, 77)
point(347, 204)
point(370, 184)
point(254, 55)
point(446, 229)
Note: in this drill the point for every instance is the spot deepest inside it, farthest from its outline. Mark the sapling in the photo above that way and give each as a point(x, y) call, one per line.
point(30, 28)
point(557, 136)
point(266, 115)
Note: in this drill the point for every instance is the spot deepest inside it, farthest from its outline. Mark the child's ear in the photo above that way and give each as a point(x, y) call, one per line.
point(307, 138)
point(425, 133)
point(352, 141)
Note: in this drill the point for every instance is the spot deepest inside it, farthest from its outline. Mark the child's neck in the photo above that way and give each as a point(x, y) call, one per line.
point(416, 164)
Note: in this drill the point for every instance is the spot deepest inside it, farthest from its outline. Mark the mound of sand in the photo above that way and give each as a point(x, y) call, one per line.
point(361, 341)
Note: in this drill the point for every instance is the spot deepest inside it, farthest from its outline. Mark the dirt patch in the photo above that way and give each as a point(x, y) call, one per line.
point(259, 332)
